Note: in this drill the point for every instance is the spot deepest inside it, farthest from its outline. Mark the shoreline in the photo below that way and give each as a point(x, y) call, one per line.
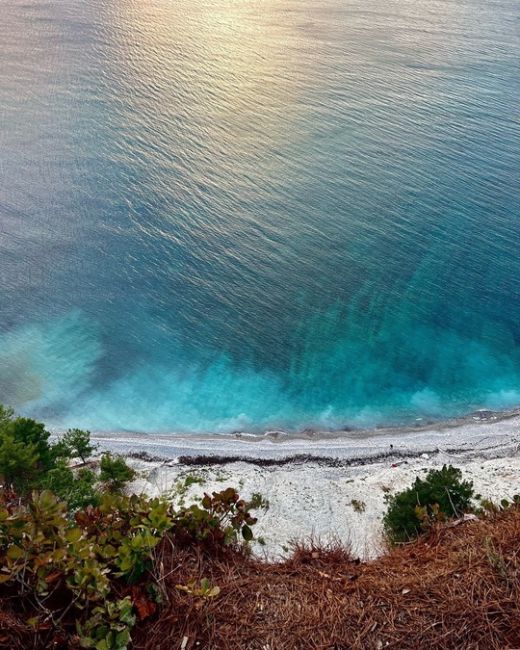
point(485, 429)
point(328, 488)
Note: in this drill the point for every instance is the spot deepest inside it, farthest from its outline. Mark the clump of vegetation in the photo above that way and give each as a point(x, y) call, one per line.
point(359, 506)
point(89, 557)
point(258, 502)
point(192, 479)
point(25, 452)
point(28, 461)
point(115, 472)
point(70, 570)
point(441, 495)
point(78, 558)
point(205, 590)
point(78, 489)
point(182, 487)
point(490, 508)
point(18, 463)
point(223, 520)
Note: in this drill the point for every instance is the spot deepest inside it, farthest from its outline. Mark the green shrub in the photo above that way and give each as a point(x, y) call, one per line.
point(223, 519)
point(30, 432)
point(109, 626)
point(115, 472)
point(43, 549)
point(441, 495)
point(258, 502)
point(18, 463)
point(25, 452)
point(77, 489)
point(84, 560)
point(69, 553)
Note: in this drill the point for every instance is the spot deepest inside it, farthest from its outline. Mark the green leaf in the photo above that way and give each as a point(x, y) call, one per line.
point(247, 533)
point(73, 535)
point(122, 640)
point(14, 552)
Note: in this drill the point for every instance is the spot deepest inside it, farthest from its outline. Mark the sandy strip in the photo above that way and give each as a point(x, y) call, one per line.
point(314, 497)
point(480, 431)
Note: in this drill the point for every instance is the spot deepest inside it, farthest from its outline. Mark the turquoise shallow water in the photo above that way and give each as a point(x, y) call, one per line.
point(244, 214)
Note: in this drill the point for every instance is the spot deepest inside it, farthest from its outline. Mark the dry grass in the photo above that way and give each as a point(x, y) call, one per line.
point(458, 589)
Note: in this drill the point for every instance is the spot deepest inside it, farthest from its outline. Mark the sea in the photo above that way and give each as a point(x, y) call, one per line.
point(247, 215)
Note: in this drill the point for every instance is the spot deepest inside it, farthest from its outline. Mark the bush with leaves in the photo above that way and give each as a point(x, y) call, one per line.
point(69, 553)
point(441, 495)
point(77, 489)
point(45, 551)
point(25, 452)
point(18, 463)
point(30, 432)
point(71, 573)
point(223, 519)
point(115, 472)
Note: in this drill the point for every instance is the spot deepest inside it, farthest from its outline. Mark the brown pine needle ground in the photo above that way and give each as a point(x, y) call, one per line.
point(458, 589)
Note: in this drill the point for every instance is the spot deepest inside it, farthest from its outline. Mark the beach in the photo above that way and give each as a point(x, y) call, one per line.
point(330, 486)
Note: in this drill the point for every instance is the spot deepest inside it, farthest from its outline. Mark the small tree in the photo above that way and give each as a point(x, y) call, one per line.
point(115, 472)
point(29, 432)
point(18, 463)
point(441, 495)
point(78, 444)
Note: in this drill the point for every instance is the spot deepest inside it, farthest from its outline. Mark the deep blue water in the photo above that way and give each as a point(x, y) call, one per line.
point(242, 214)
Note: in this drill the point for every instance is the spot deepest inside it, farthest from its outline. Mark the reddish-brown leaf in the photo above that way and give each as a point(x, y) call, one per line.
point(143, 605)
